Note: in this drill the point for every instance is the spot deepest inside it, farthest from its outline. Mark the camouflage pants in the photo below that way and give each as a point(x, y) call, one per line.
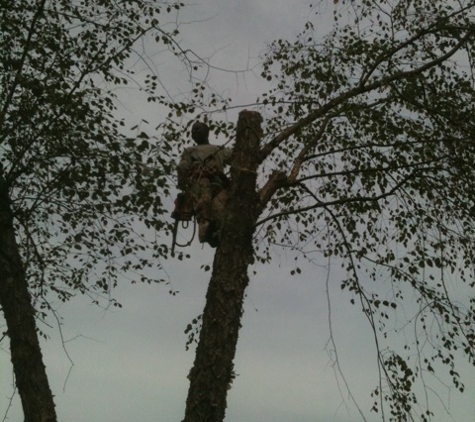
point(208, 200)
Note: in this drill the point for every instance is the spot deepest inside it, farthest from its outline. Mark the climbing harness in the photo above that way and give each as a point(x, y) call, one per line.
point(201, 171)
point(183, 211)
point(218, 180)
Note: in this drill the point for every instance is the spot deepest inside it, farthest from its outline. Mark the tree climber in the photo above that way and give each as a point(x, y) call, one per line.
point(201, 176)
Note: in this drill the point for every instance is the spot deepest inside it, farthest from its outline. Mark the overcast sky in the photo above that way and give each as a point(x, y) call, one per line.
point(130, 364)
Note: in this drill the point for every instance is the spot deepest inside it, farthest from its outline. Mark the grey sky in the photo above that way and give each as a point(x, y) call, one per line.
point(130, 364)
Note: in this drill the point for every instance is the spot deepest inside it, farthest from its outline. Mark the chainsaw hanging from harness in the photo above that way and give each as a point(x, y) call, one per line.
point(183, 212)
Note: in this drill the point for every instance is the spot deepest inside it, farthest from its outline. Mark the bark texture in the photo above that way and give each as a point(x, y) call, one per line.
point(211, 373)
point(15, 300)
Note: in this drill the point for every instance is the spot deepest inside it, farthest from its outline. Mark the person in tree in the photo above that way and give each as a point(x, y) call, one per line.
point(201, 176)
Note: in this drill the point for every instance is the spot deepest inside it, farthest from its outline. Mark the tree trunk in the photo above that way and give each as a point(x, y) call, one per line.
point(211, 373)
point(15, 300)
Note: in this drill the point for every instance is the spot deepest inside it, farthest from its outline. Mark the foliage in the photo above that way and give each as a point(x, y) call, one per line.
point(78, 185)
point(376, 123)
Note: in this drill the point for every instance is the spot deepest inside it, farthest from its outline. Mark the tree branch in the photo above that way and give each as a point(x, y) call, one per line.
point(321, 204)
point(358, 90)
point(310, 145)
point(422, 33)
point(276, 180)
point(20, 65)
point(370, 170)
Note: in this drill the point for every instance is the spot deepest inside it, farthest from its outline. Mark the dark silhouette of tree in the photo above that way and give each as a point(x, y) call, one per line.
point(366, 155)
point(73, 189)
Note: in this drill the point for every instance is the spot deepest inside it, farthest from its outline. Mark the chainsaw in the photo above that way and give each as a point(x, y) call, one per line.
point(183, 212)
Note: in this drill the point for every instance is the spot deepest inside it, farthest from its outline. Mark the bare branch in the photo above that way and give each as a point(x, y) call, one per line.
point(303, 153)
point(276, 180)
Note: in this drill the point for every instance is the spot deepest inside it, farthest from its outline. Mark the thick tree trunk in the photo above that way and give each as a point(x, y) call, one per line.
point(15, 300)
point(211, 373)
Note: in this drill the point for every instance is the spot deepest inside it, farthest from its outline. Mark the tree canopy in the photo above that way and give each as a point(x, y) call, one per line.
point(74, 187)
point(76, 181)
